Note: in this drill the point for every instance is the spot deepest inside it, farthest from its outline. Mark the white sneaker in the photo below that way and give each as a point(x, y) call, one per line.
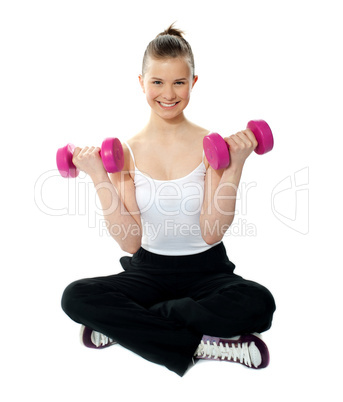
point(249, 350)
point(94, 339)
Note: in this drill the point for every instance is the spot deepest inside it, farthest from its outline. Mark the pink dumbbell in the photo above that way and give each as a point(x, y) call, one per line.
point(217, 150)
point(111, 153)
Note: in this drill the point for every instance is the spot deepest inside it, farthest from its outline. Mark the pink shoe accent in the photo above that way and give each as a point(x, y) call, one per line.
point(94, 340)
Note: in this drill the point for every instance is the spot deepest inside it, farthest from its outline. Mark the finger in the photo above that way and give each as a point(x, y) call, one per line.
point(242, 135)
point(83, 151)
point(237, 139)
point(76, 152)
point(231, 141)
point(251, 137)
point(94, 150)
point(244, 138)
point(76, 155)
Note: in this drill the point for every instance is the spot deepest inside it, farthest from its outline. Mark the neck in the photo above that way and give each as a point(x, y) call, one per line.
point(166, 129)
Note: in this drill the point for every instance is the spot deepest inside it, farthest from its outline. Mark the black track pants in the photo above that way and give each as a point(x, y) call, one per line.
point(161, 306)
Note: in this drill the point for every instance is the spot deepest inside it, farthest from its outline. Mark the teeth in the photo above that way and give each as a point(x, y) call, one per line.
point(168, 104)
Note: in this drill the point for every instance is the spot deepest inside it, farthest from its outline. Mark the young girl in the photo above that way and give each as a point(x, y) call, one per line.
point(177, 299)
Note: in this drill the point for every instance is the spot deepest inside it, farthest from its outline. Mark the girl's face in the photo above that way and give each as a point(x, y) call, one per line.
point(167, 84)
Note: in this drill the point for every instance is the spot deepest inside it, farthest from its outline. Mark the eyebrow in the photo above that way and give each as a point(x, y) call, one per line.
point(161, 79)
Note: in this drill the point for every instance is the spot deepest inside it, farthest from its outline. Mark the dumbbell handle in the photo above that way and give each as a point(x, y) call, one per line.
point(111, 154)
point(217, 149)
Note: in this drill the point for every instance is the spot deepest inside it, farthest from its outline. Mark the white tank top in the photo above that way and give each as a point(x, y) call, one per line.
point(170, 212)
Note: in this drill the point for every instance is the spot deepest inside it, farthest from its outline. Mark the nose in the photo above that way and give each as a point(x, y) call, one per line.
point(168, 93)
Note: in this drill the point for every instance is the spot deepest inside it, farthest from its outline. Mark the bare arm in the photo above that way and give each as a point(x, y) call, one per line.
point(117, 196)
point(218, 209)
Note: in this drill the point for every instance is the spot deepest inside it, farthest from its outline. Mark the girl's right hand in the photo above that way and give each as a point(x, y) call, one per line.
point(88, 160)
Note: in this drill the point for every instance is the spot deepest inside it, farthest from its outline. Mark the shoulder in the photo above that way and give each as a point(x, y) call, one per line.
point(134, 141)
point(128, 166)
point(198, 130)
point(199, 133)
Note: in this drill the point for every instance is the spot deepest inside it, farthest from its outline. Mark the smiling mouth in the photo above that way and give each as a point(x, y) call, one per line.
point(167, 105)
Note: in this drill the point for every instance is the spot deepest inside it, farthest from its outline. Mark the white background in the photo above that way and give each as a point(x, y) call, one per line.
point(69, 74)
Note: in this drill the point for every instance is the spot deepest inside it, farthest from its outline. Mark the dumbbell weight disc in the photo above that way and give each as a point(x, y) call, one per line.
point(263, 135)
point(216, 151)
point(112, 155)
point(64, 161)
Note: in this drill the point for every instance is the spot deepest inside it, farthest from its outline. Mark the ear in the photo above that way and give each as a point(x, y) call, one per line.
point(195, 79)
point(141, 81)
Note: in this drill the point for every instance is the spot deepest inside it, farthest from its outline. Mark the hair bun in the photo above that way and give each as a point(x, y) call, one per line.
point(168, 44)
point(172, 31)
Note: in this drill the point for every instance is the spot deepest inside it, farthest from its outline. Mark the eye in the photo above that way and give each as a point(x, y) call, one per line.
point(179, 83)
point(157, 82)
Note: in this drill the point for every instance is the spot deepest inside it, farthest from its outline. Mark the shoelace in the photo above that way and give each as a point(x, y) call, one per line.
point(100, 339)
point(233, 352)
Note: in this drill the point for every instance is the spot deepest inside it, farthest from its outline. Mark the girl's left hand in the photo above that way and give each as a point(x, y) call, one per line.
point(241, 146)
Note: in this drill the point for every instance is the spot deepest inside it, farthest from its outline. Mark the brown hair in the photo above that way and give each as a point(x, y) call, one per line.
point(169, 44)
